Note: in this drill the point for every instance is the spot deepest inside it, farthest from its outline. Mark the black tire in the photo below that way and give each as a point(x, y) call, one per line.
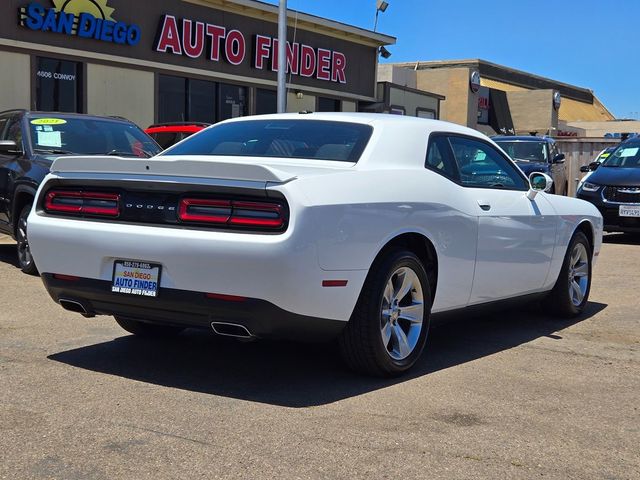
point(361, 343)
point(560, 299)
point(145, 329)
point(25, 259)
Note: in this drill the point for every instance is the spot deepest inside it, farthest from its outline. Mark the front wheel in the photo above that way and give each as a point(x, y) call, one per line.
point(25, 259)
point(571, 291)
point(388, 329)
point(144, 329)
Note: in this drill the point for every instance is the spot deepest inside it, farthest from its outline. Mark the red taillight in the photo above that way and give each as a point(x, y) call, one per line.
point(66, 278)
point(226, 298)
point(79, 202)
point(202, 210)
point(255, 214)
point(231, 212)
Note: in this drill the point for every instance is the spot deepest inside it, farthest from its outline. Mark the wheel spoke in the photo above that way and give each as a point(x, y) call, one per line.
point(413, 313)
point(401, 341)
point(577, 292)
point(582, 270)
point(408, 279)
point(388, 293)
point(386, 334)
point(386, 314)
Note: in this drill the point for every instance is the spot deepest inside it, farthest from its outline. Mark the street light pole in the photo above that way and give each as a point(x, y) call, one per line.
point(282, 57)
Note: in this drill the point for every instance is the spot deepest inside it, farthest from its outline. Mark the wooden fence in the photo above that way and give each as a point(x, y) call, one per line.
point(581, 151)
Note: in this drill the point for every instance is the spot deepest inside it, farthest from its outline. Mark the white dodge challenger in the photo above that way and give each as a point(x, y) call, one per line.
point(311, 226)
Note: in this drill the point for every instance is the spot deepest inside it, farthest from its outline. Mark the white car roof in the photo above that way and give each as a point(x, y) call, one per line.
point(398, 141)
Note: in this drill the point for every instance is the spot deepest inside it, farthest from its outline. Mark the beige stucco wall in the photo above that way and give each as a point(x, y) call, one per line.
point(461, 104)
point(308, 102)
point(599, 129)
point(532, 111)
point(15, 87)
point(412, 101)
point(121, 91)
point(349, 106)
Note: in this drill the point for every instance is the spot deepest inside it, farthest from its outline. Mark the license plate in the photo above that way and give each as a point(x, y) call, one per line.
point(136, 278)
point(629, 211)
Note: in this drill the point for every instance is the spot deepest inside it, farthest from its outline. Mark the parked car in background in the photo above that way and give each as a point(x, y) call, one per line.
point(588, 169)
point(168, 134)
point(537, 154)
point(311, 226)
point(31, 141)
point(613, 186)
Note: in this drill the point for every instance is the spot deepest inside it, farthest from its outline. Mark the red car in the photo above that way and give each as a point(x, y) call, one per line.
point(167, 134)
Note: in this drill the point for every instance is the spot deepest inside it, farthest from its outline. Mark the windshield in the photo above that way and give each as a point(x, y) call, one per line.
point(59, 134)
point(308, 139)
point(626, 155)
point(527, 151)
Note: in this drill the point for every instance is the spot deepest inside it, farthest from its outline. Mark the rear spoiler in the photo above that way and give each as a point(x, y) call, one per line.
point(178, 167)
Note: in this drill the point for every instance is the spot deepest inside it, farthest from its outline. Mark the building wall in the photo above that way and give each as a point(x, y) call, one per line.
point(599, 129)
point(308, 102)
point(412, 101)
point(349, 106)
point(398, 75)
point(532, 111)
point(15, 89)
point(122, 92)
point(460, 105)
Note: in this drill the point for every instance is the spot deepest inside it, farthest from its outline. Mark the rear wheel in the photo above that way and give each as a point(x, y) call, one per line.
point(388, 329)
point(571, 291)
point(144, 329)
point(25, 259)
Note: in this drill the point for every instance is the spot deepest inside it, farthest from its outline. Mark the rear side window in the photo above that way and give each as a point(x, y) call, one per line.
point(308, 139)
point(481, 165)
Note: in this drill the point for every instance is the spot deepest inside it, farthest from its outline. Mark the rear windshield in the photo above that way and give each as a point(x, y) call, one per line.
point(309, 139)
point(59, 134)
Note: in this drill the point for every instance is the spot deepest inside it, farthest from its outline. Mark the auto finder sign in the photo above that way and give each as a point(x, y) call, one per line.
point(215, 42)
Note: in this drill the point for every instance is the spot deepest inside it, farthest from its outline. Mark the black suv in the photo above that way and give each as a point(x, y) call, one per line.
point(31, 141)
point(614, 187)
point(537, 154)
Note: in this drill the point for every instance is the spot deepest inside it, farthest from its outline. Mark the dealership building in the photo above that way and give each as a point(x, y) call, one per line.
point(190, 60)
point(496, 99)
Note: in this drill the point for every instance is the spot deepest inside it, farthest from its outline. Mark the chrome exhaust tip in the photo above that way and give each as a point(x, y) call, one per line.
point(231, 330)
point(74, 306)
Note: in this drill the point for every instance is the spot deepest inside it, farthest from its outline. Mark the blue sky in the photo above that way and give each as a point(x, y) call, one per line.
point(589, 43)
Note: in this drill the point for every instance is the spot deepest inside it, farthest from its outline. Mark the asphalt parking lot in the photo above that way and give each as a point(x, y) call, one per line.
point(507, 395)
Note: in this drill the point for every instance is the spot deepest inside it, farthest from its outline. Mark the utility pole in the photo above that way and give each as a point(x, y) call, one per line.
point(282, 57)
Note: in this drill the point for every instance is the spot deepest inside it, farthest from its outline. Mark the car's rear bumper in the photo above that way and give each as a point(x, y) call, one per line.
point(282, 270)
point(192, 309)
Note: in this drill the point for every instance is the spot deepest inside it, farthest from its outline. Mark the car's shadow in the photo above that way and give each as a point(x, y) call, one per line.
point(301, 375)
point(8, 254)
point(622, 238)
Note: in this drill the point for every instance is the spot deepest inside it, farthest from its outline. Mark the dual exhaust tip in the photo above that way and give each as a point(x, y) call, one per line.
point(221, 328)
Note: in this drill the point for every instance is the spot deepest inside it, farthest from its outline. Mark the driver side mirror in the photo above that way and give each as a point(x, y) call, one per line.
point(9, 147)
point(559, 158)
point(589, 168)
point(538, 182)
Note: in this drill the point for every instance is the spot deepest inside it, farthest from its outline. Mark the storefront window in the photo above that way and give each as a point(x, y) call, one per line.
point(328, 104)
point(266, 101)
point(190, 100)
point(202, 101)
point(58, 85)
point(172, 99)
point(232, 101)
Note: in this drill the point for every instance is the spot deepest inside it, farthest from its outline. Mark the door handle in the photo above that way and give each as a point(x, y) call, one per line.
point(484, 205)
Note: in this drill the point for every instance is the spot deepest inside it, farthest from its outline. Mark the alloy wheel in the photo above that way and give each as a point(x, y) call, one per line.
point(578, 274)
point(24, 252)
point(402, 313)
